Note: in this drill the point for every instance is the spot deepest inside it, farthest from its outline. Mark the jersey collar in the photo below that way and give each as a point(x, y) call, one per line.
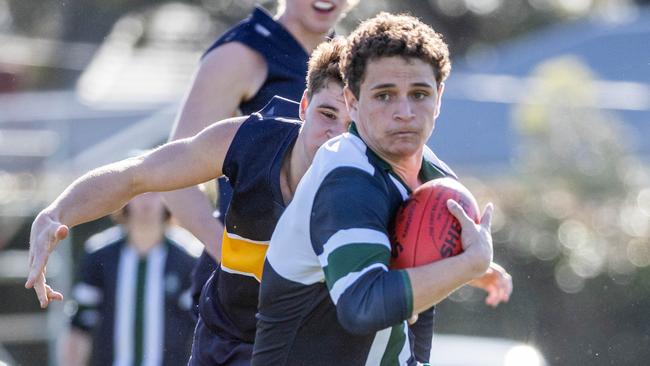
point(428, 171)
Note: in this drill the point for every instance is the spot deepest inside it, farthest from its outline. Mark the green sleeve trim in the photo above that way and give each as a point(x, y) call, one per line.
point(409, 292)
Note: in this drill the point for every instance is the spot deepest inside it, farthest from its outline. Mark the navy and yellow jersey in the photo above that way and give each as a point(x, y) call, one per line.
point(137, 309)
point(286, 62)
point(252, 164)
point(328, 297)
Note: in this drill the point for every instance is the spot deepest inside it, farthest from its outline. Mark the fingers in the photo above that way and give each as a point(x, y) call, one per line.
point(37, 269)
point(460, 214)
point(486, 220)
point(41, 291)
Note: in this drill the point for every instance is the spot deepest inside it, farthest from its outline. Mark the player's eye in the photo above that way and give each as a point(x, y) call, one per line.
point(329, 115)
point(382, 97)
point(419, 95)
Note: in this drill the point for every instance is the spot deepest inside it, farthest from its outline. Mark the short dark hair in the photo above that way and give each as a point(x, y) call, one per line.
point(388, 35)
point(324, 65)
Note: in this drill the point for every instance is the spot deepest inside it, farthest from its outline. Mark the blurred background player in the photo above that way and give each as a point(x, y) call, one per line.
point(258, 58)
point(133, 295)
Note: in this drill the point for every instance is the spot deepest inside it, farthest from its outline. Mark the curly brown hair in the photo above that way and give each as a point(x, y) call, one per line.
point(324, 65)
point(388, 35)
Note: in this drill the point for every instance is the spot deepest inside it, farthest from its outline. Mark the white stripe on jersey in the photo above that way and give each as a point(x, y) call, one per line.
point(348, 280)
point(352, 236)
point(405, 354)
point(124, 307)
point(292, 233)
point(155, 307)
point(378, 347)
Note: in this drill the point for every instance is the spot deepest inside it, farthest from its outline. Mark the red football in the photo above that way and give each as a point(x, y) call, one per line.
point(425, 231)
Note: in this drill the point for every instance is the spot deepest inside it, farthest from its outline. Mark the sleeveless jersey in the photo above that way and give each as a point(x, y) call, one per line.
point(228, 302)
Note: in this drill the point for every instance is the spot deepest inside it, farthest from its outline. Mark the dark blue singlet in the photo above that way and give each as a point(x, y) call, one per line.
point(286, 62)
point(225, 331)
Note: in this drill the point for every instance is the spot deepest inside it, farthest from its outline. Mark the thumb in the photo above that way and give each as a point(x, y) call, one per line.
point(61, 232)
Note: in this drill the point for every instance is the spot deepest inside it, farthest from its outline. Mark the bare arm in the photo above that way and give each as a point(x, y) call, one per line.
point(105, 189)
point(228, 75)
point(75, 348)
point(433, 282)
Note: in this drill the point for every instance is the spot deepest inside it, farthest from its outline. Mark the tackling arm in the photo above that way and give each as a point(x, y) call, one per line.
point(106, 189)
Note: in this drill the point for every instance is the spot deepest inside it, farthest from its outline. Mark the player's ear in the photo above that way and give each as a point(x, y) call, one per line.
point(304, 103)
point(351, 103)
point(441, 89)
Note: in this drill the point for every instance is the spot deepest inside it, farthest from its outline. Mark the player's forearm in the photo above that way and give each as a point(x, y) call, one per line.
point(434, 282)
point(95, 194)
point(374, 303)
point(193, 211)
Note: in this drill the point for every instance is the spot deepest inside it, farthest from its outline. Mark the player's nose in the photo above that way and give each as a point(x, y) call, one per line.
point(403, 110)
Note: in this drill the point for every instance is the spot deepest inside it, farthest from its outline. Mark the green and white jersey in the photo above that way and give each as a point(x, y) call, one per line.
point(328, 296)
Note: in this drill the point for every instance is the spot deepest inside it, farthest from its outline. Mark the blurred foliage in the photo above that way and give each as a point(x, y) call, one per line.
point(572, 227)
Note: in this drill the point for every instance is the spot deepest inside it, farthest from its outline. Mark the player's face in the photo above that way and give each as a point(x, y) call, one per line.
point(146, 209)
point(325, 117)
point(317, 16)
point(398, 102)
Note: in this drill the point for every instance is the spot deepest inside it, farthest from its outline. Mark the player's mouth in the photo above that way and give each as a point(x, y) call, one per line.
point(323, 7)
point(405, 133)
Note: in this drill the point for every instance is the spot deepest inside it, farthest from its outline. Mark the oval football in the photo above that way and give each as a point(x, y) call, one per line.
point(425, 231)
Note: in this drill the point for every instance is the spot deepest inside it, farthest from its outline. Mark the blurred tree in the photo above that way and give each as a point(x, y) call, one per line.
point(573, 227)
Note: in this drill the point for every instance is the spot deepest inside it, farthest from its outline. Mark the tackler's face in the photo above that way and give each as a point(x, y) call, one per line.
point(317, 16)
point(398, 102)
point(146, 209)
point(325, 116)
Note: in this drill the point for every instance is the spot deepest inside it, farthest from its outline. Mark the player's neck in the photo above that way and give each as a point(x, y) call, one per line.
point(407, 168)
point(293, 168)
point(307, 39)
point(143, 239)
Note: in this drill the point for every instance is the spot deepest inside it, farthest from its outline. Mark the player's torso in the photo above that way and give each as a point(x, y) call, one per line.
point(253, 165)
point(297, 286)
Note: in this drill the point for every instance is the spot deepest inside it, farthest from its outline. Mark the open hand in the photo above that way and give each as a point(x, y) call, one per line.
point(45, 235)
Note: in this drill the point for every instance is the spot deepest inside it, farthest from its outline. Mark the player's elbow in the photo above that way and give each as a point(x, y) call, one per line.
point(355, 322)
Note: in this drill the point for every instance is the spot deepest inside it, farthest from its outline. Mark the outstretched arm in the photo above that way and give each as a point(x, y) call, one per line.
point(106, 189)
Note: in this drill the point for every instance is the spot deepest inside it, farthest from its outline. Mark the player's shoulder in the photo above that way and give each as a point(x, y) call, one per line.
point(105, 240)
point(252, 33)
point(344, 151)
point(274, 116)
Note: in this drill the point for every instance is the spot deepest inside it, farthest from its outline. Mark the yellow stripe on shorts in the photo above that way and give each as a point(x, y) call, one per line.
point(243, 256)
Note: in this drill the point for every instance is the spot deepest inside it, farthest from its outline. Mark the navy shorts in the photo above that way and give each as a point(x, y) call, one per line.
point(211, 349)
